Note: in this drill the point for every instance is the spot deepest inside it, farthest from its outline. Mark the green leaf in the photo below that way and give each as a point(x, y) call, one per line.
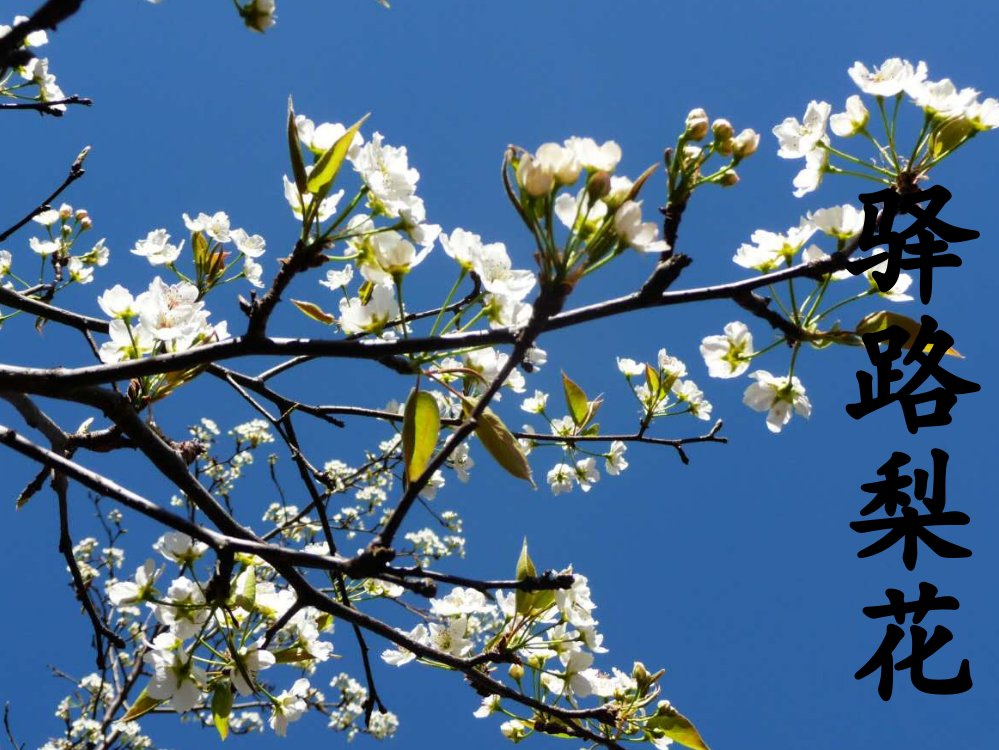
point(142, 706)
point(500, 443)
point(668, 722)
point(329, 164)
point(222, 707)
point(575, 399)
point(652, 379)
point(879, 321)
point(525, 569)
point(295, 150)
point(248, 595)
point(314, 311)
point(421, 426)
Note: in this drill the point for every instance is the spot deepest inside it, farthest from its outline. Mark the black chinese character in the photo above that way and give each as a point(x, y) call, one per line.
point(943, 397)
point(928, 251)
point(921, 648)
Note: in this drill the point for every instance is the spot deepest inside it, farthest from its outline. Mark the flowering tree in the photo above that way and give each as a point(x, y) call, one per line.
point(231, 627)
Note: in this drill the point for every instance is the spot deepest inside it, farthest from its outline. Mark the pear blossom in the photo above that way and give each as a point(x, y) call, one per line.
point(386, 172)
point(253, 659)
point(533, 176)
point(126, 343)
point(809, 178)
point(575, 603)
point(535, 404)
point(770, 249)
point(852, 121)
point(745, 143)
point(79, 272)
point(586, 473)
point(536, 357)
point(897, 293)
point(253, 272)
point(842, 222)
point(506, 312)
point(252, 246)
point(5, 262)
point(629, 367)
point(578, 214)
point(728, 355)
point(356, 317)
point(44, 247)
point(514, 729)
point(490, 705)
point(99, 254)
point(560, 478)
point(117, 302)
point(399, 655)
point(561, 162)
point(777, 396)
point(942, 98)
point(493, 266)
point(178, 547)
point(615, 461)
point(46, 218)
point(338, 279)
point(460, 601)
point(983, 115)
point(814, 253)
point(290, 706)
point(319, 139)
point(893, 77)
point(36, 70)
point(573, 681)
point(129, 592)
point(186, 611)
point(170, 312)
point(300, 203)
point(634, 232)
point(176, 677)
point(215, 226)
point(797, 139)
point(603, 158)
point(386, 255)
point(688, 392)
point(450, 638)
point(463, 246)
point(156, 248)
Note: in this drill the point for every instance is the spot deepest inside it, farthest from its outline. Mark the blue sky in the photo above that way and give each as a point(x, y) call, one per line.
point(738, 573)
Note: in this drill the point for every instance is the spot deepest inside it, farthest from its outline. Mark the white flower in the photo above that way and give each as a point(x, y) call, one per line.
point(125, 343)
point(728, 355)
point(634, 232)
point(187, 611)
point(37, 71)
point(630, 367)
point(574, 681)
point(46, 218)
point(577, 214)
point(178, 547)
point(603, 158)
point(252, 246)
point(560, 478)
point(560, 162)
point(814, 253)
point(254, 659)
point(79, 272)
point(506, 312)
point(536, 356)
point(450, 638)
point(300, 203)
point(671, 367)
point(777, 396)
point(356, 317)
point(586, 473)
point(615, 461)
point(175, 678)
point(386, 172)
point(942, 98)
point(897, 292)
point(771, 249)
point(843, 222)
point(983, 115)
point(688, 392)
point(170, 312)
point(575, 603)
point(44, 247)
point(535, 404)
point(893, 77)
point(157, 249)
point(253, 272)
point(129, 592)
point(386, 255)
point(290, 706)
point(399, 655)
point(215, 226)
point(852, 121)
point(797, 139)
point(809, 178)
point(514, 729)
point(320, 139)
point(534, 177)
point(490, 705)
point(5, 262)
point(337, 279)
point(460, 601)
point(492, 264)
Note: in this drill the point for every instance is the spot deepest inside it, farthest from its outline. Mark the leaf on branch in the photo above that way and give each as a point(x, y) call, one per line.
point(421, 426)
point(142, 706)
point(879, 321)
point(295, 150)
point(652, 380)
point(576, 401)
point(222, 707)
point(326, 169)
point(668, 722)
point(314, 311)
point(500, 443)
point(247, 594)
point(525, 569)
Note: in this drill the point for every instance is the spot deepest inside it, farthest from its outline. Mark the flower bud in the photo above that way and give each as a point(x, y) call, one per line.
point(745, 143)
point(598, 186)
point(697, 124)
point(66, 211)
point(722, 129)
point(81, 214)
point(533, 178)
point(724, 147)
point(86, 223)
point(729, 179)
point(67, 229)
point(516, 672)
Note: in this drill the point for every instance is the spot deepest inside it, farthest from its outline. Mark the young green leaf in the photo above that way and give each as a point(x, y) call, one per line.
point(576, 401)
point(247, 594)
point(329, 164)
point(525, 569)
point(668, 722)
point(314, 311)
point(222, 707)
point(500, 443)
point(142, 706)
point(295, 151)
point(879, 321)
point(652, 379)
point(421, 426)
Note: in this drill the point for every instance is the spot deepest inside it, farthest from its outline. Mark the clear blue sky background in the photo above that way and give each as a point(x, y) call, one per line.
point(738, 574)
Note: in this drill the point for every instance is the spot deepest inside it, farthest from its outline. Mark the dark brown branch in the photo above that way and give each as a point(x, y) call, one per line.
point(49, 16)
point(76, 171)
point(49, 107)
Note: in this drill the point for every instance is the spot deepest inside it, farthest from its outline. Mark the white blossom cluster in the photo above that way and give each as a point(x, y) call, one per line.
point(34, 74)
